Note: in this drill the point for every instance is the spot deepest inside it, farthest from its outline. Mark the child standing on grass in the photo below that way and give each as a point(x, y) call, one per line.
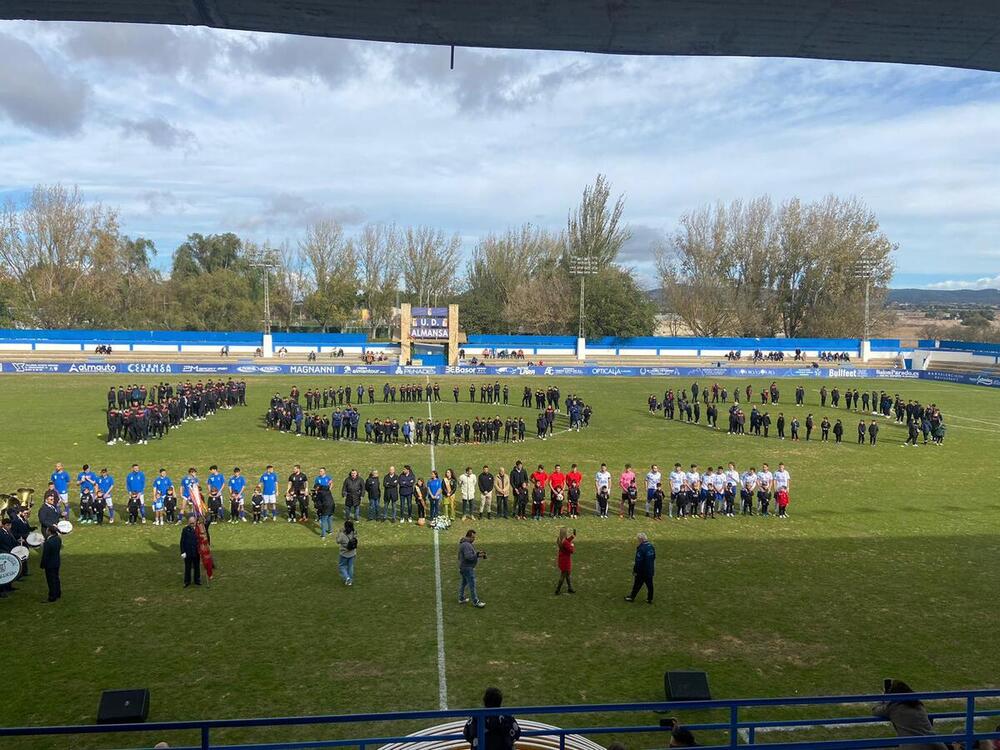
point(603, 496)
point(782, 501)
point(257, 504)
point(632, 493)
point(170, 505)
point(658, 496)
point(133, 507)
point(537, 501)
point(158, 507)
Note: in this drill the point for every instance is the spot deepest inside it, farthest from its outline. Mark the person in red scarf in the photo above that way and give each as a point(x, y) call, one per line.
point(565, 559)
point(557, 481)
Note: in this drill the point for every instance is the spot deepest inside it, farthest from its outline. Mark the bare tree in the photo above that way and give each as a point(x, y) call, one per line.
point(50, 248)
point(499, 266)
point(594, 229)
point(378, 250)
point(430, 261)
point(326, 253)
point(753, 270)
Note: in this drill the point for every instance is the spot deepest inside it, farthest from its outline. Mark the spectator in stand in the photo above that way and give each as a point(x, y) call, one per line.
point(681, 737)
point(501, 731)
point(909, 717)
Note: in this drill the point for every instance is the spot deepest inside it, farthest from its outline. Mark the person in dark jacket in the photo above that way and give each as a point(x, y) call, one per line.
point(7, 544)
point(502, 730)
point(643, 568)
point(391, 487)
point(373, 488)
point(909, 717)
point(325, 505)
point(189, 552)
point(351, 491)
point(51, 561)
point(48, 514)
point(406, 484)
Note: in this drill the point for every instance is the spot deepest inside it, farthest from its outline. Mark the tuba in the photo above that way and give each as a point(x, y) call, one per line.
point(24, 497)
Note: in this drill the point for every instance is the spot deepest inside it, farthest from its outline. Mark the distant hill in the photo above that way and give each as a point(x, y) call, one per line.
point(945, 297)
point(918, 297)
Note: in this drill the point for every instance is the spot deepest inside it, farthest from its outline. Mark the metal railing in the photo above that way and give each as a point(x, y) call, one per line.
point(739, 732)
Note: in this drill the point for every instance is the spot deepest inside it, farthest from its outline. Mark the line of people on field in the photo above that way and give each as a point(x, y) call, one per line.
point(135, 414)
point(404, 497)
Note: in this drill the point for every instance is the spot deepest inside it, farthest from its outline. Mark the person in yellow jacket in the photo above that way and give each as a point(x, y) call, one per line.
point(450, 485)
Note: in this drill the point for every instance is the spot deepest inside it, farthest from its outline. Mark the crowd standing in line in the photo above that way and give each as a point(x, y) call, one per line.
point(135, 414)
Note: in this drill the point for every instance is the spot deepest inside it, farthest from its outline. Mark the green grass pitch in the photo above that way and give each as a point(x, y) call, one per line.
point(888, 566)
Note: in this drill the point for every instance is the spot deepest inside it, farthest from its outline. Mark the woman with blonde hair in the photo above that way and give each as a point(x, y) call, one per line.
point(449, 486)
point(565, 558)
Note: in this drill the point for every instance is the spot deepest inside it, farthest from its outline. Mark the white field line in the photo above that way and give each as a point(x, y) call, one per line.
point(438, 601)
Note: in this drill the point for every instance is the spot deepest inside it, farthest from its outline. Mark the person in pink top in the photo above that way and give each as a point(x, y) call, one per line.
point(626, 479)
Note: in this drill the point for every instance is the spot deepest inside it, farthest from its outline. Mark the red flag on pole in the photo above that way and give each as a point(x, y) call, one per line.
point(204, 551)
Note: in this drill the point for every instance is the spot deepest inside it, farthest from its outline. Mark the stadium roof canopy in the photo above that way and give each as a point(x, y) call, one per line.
point(955, 33)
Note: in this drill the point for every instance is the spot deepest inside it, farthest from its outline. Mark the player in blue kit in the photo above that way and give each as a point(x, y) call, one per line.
point(60, 482)
point(135, 481)
point(216, 481)
point(161, 485)
point(237, 482)
point(105, 485)
point(86, 481)
point(269, 486)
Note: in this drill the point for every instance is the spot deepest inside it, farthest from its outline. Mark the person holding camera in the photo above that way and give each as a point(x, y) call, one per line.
point(348, 541)
point(565, 549)
point(468, 558)
point(909, 717)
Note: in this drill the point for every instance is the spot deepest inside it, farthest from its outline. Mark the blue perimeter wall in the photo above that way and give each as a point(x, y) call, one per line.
point(92, 337)
point(133, 370)
point(233, 338)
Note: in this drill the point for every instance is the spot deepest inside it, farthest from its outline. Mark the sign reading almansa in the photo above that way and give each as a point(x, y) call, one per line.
point(429, 323)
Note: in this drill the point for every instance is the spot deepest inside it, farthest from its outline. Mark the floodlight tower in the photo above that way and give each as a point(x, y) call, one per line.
point(865, 269)
point(582, 266)
point(266, 264)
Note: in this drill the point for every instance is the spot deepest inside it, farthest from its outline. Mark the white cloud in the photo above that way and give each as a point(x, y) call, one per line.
point(987, 282)
point(288, 129)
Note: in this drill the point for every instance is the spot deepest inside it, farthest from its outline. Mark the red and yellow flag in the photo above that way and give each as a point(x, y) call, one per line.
point(204, 551)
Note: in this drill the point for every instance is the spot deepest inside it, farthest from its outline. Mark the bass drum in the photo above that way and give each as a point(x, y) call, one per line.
point(10, 568)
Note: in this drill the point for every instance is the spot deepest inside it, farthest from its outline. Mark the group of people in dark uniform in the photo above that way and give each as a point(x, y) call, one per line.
point(919, 419)
point(288, 415)
point(135, 414)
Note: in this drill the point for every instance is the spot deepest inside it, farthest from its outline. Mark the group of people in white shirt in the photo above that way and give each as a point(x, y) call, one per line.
point(694, 492)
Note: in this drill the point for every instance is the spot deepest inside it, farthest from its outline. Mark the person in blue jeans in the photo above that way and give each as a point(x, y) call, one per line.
point(323, 497)
point(407, 483)
point(434, 490)
point(468, 558)
point(348, 541)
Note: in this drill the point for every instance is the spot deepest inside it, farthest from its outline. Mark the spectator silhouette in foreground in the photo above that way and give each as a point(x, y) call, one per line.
point(502, 731)
point(909, 717)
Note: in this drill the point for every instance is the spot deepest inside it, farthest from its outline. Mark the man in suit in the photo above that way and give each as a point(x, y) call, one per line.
point(51, 561)
point(48, 514)
point(189, 552)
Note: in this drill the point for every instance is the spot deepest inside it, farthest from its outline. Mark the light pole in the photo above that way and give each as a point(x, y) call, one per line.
point(582, 266)
point(266, 264)
point(865, 270)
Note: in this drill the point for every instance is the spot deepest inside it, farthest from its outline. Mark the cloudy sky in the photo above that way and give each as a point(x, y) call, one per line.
point(194, 130)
